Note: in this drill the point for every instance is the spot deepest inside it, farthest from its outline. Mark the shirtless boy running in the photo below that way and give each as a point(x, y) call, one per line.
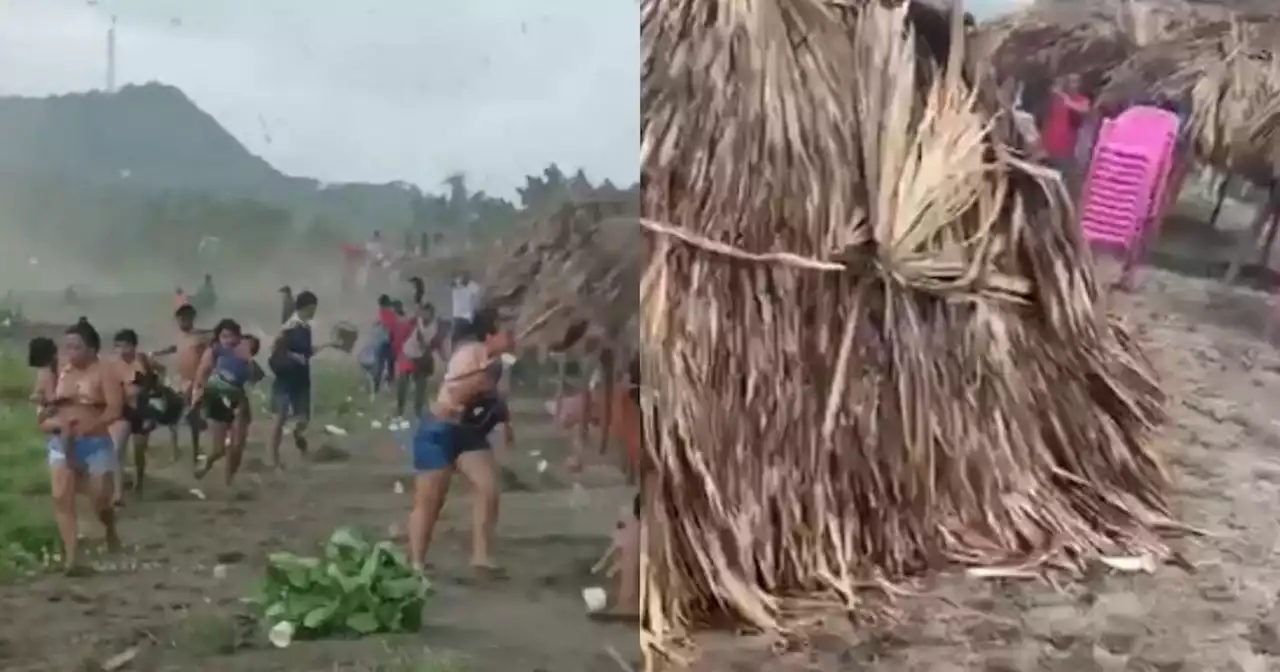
point(187, 351)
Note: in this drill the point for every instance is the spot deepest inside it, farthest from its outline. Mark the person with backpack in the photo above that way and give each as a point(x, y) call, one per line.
point(290, 361)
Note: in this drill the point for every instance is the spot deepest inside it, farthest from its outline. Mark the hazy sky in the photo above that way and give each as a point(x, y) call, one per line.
point(366, 90)
point(370, 90)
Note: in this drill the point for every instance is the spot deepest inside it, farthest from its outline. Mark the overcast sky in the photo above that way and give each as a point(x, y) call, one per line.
point(366, 90)
point(369, 90)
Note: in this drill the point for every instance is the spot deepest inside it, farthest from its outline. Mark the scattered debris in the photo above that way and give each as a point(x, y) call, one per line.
point(120, 660)
point(281, 636)
point(595, 598)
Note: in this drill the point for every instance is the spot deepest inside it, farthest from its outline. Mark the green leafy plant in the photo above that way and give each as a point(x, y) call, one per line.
point(357, 589)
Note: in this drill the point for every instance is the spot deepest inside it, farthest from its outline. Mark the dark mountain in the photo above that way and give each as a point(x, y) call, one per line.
point(152, 131)
point(153, 139)
point(145, 175)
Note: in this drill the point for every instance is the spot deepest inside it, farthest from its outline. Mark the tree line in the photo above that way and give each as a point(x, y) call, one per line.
point(121, 226)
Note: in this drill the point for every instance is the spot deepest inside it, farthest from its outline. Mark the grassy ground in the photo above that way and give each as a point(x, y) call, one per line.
point(27, 530)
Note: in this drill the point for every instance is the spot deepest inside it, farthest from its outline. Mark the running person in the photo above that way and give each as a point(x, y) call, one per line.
point(87, 398)
point(226, 369)
point(131, 367)
point(188, 350)
point(290, 361)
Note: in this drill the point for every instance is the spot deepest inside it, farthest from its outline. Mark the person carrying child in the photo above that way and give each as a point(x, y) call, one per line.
point(226, 369)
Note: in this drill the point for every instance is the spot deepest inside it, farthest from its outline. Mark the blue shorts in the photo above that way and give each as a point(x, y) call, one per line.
point(291, 402)
point(437, 443)
point(95, 455)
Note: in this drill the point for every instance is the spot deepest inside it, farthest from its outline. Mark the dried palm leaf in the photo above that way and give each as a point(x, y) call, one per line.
point(1229, 99)
point(1085, 38)
point(872, 329)
point(1265, 133)
point(573, 274)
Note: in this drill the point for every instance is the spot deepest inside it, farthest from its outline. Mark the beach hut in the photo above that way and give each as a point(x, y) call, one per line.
point(872, 330)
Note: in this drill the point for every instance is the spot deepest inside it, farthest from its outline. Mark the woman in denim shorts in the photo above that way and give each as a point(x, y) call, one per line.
point(77, 408)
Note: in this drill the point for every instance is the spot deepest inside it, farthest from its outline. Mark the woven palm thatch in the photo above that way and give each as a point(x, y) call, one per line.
point(872, 331)
point(570, 275)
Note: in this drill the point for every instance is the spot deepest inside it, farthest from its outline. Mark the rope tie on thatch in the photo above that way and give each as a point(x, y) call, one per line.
point(1000, 283)
point(704, 243)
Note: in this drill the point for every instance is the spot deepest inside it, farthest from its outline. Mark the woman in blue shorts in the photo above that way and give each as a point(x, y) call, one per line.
point(454, 437)
point(77, 408)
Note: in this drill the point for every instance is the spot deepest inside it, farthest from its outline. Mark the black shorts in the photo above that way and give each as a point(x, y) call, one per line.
point(214, 409)
point(138, 422)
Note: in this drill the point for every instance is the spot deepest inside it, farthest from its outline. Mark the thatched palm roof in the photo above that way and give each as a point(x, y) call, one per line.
point(1083, 37)
point(571, 274)
point(1228, 73)
point(872, 330)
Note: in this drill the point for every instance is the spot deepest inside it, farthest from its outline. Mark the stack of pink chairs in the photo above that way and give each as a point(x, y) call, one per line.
point(1125, 188)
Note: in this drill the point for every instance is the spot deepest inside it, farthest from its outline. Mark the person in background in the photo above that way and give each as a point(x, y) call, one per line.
point(180, 298)
point(352, 262)
point(454, 437)
point(286, 304)
point(627, 426)
point(465, 297)
point(290, 361)
point(1066, 112)
point(418, 290)
point(416, 359)
point(87, 398)
point(384, 338)
point(374, 254)
point(206, 297)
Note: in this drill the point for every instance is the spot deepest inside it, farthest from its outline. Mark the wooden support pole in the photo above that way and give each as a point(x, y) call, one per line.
point(1251, 239)
point(1269, 239)
point(1224, 185)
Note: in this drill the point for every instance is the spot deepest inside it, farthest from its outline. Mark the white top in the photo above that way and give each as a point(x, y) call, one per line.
point(465, 300)
point(375, 251)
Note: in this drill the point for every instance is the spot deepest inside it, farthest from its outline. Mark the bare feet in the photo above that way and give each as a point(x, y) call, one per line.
point(488, 571)
point(75, 570)
point(205, 464)
point(615, 614)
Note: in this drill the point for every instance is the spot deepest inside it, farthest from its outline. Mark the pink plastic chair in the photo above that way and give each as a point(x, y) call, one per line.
point(1125, 187)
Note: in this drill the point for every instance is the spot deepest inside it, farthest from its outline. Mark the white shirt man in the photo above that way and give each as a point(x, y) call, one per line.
point(374, 252)
point(466, 298)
